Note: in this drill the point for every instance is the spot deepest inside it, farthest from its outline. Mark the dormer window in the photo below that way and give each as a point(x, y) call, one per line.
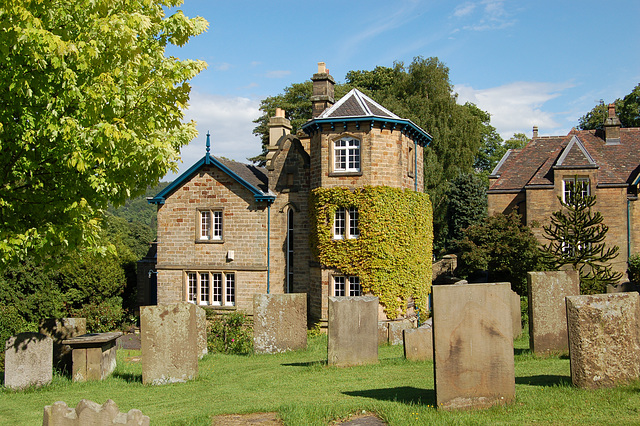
point(346, 155)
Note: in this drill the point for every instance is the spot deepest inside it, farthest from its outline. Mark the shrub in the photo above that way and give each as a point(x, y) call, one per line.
point(11, 323)
point(229, 333)
point(634, 268)
point(102, 317)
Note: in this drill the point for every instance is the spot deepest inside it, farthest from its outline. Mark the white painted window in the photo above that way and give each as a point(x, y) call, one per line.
point(346, 155)
point(210, 225)
point(211, 288)
point(346, 223)
point(578, 185)
point(346, 286)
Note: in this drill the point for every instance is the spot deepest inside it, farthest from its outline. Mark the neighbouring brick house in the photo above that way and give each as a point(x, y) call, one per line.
point(228, 230)
point(603, 162)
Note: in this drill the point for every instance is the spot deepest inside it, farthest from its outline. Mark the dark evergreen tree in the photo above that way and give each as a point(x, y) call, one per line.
point(577, 237)
point(467, 204)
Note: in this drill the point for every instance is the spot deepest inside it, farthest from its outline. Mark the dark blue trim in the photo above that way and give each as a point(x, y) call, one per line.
point(208, 159)
point(408, 127)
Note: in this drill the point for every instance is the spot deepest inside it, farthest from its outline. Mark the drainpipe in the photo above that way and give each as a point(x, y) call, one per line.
point(415, 165)
point(268, 245)
point(628, 228)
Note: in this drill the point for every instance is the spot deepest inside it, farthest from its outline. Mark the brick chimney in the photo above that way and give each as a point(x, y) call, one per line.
point(535, 132)
point(323, 85)
point(279, 126)
point(612, 126)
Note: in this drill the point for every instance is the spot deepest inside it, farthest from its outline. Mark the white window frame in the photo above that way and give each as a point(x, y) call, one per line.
point(346, 223)
point(570, 183)
point(343, 284)
point(210, 223)
point(347, 155)
point(211, 288)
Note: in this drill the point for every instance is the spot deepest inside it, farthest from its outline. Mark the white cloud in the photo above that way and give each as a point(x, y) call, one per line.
point(464, 9)
point(491, 15)
point(223, 66)
point(517, 107)
point(230, 122)
point(278, 74)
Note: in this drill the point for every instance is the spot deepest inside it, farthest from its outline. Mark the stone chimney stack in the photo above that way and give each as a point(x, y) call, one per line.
point(535, 132)
point(612, 127)
point(279, 126)
point(323, 86)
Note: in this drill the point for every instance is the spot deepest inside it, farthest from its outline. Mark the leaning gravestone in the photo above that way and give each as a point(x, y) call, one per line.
point(169, 342)
point(418, 342)
point(547, 309)
point(279, 322)
point(28, 360)
point(352, 335)
point(60, 329)
point(473, 345)
point(201, 324)
point(603, 339)
point(91, 413)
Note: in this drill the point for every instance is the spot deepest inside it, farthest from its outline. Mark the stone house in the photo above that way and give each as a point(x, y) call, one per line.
point(228, 230)
point(603, 162)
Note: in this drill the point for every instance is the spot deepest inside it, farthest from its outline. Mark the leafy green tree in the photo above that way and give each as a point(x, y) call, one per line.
point(502, 248)
point(491, 149)
point(594, 119)
point(517, 141)
point(577, 238)
point(627, 108)
point(467, 204)
point(91, 114)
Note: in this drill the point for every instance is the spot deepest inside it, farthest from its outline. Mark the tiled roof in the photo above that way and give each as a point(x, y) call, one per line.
point(533, 165)
point(256, 176)
point(357, 104)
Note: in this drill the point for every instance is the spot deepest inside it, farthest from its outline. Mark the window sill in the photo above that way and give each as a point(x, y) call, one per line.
point(338, 174)
point(209, 241)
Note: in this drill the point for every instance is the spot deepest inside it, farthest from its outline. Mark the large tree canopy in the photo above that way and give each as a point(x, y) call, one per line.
point(422, 93)
point(91, 113)
point(628, 109)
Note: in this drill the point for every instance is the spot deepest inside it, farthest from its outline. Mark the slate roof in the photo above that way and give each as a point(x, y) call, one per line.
point(617, 164)
point(357, 104)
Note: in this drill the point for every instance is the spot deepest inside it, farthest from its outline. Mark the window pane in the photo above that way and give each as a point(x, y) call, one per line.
point(216, 279)
point(205, 225)
point(192, 279)
point(338, 286)
point(339, 223)
point(204, 288)
point(230, 290)
point(217, 225)
point(354, 218)
point(354, 286)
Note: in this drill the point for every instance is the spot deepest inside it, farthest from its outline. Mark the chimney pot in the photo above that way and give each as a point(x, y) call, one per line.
point(279, 112)
point(322, 68)
point(612, 110)
point(535, 131)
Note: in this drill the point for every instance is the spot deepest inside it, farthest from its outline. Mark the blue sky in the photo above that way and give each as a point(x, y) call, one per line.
point(527, 63)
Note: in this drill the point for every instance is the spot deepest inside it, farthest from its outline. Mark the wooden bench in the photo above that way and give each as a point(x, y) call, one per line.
point(93, 355)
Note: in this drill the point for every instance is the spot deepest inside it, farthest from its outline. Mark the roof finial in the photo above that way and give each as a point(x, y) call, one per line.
point(208, 142)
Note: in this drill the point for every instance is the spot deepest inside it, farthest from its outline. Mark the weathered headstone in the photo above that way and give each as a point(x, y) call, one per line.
point(28, 360)
point(396, 329)
point(603, 339)
point(418, 342)
point(547, 309)
point(279, 322)
point(516, 314)
point(352, 331)
point(91, 413)
point(60, 329)
point(383, 332)
point(169, 341)
point(473, 345)
point(201, 324)
point(94, 355)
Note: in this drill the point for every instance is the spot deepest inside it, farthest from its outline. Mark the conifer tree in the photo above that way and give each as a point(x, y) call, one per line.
point(577, 237)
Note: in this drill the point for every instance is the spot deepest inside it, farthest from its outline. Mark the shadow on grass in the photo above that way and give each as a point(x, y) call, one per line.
point(129, 377)
point(306, 364)
point(544, 380)
point(404, 394)
point(518, 351)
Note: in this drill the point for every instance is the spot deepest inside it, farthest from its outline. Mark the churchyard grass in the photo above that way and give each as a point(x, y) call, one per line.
point(303, 390)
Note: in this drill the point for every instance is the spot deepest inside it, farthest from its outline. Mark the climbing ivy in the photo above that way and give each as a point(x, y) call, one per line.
point(392, 255)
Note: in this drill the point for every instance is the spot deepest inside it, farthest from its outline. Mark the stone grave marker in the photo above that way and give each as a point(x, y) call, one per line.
point(383, 332)
point(60, 329)
point(28, 360)
point(547, 309)
point(473, 345)
point(352, 335)
point(91, 413)
point(603, 339)
point(516, 314)
point(279, 322)
point(396, 329)
point(418, 342)
point(94, 355)
point(169, 341)
point(201, 324)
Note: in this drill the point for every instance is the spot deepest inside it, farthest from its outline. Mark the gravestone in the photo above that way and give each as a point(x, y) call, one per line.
point(91, 413)
point(383, 332)
point(418, 342)
point(603, 339)
point(396, 329)
point(473, 345)
point(516, 314)
point(352, 335)
point(201, 324)
point(28, 360)
point(279, 322)
point(547, 309)
point(94, 355)
point(60, 329)
point(169, 342)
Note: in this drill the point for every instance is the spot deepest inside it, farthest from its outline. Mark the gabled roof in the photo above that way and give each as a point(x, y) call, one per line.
point(251, 177)
point(533, 166)
point(357, 107)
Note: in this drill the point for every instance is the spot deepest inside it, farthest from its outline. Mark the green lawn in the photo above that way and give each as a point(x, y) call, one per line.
point(304, 391)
